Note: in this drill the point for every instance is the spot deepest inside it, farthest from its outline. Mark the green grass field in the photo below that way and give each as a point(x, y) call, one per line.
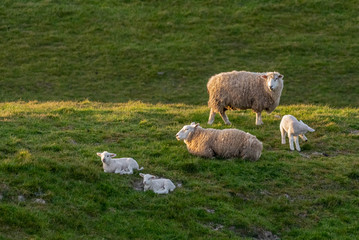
point(80, 77)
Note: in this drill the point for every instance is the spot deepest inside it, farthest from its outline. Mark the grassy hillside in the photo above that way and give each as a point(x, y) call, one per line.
point(80, 77)
point(165, 51)
point(48, 151)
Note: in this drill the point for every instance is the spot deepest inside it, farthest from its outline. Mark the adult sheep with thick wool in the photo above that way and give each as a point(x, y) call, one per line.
point(226, 143)
point(244, 90)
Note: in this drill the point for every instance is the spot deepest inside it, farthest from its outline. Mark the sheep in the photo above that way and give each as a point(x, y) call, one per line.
point(227, 143)
point(289, 124)
point(158, 185)
point(243, 90)
point(118, 165)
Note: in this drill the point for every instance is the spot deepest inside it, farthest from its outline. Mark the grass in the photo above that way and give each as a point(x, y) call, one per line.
point(165, 51)
point(48, 152)
point(79, 77)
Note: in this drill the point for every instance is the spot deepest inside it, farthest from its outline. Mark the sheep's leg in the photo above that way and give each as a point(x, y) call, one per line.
point(283, 134)
point(291, 146)
point(212, 114)
point(163, 191)
point(224, 117)
point(119, 170)
point(296, 140)
point(302, 136)
point(259, 118)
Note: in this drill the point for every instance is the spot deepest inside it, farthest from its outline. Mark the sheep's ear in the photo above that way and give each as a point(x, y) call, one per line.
point(281, 76)
point(113, 155)
point(142, 175)
point(193, 123)
point(196, 125)
point(264, 76)
point(98, 154)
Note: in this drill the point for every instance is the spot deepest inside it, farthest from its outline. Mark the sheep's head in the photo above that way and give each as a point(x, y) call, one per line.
point(106, 156)
point(186, 131)
point(305, 127)
point(147, 178)
point(274, 81)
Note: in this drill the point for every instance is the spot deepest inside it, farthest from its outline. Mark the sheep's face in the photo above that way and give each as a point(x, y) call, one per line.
point(274, 81)
point(186, 131)
point(147, 178)
point(305, 127)
point(106, 156)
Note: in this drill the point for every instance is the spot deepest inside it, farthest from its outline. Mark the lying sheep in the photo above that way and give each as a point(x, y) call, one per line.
point(244, 90)
point(158, 185)
point(118, 165)
point(294, 128)
point(227, 143)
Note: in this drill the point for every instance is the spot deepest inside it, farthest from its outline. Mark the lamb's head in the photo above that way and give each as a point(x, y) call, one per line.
point(147, 178)
point(186, 131)
point(106, 156)
point(274, 81)
point(305, 127)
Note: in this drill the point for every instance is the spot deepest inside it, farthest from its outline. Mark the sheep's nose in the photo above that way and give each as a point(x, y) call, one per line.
point(271, 88)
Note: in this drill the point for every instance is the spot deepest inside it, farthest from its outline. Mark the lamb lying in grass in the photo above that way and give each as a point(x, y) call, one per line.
point(158, 185)
point(118, 165)
point(294, 128)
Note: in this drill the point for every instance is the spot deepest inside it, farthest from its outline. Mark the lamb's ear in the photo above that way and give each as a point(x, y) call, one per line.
point(264, 76)
point(193, 123)
point(142, 175)
point(98, 154)
point(113, 154)
point(280, 76)
point(197, 124)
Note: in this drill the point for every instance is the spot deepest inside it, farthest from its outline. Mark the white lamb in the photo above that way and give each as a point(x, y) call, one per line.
point(294, 128)
point(158, 185)
point(118, 165)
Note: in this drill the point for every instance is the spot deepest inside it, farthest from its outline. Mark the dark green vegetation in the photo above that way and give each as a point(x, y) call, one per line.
point(162, 53)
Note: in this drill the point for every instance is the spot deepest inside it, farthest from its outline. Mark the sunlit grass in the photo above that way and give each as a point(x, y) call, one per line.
point(48, 151)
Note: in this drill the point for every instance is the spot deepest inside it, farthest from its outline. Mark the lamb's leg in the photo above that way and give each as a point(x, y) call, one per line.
point(212, 114)
point(259, 118)
point(283, 134)
point(302, 136)
point(224, 117)
point(120, 171)
point(296, 140)
point(291, 146)
point(162, 191)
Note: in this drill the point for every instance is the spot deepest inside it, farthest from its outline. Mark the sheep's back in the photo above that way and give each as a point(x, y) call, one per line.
point(235, 143)
point(235, 89)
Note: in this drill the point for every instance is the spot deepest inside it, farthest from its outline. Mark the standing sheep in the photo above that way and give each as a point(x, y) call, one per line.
point(244, 90)
point(227, 143)
point(117, 165)
point(294, 128)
